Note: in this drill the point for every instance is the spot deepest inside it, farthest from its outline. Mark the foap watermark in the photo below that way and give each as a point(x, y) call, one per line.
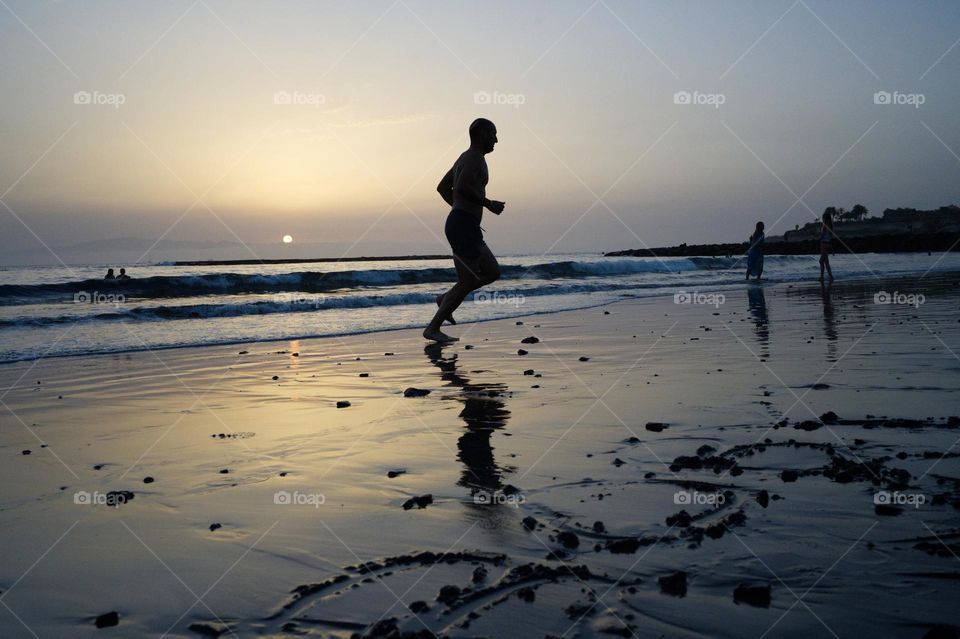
point(98, 98)
point(96, 498)
point(295, 299)
point(697, 498)
point(498, 497)
point(299, 98)
point(896, 297)
point(297, 498)
point(516, 100)
point(897, 498)
point(693, 297)
point(96, 297)
point(498, 297)
point(698, 98)
point(897, 98)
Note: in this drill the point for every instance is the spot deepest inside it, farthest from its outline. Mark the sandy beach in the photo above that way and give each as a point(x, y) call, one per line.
point(778, 461)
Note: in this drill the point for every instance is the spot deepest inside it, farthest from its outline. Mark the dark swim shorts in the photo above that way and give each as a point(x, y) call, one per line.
point(464, 234)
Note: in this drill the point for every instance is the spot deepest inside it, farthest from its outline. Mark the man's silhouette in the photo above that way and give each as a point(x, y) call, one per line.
point(464, 189)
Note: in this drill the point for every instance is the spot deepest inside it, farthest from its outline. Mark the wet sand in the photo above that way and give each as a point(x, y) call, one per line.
point(781, 464)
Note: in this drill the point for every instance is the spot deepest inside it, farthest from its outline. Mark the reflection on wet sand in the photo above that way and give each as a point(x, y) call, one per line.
point(484, 412)
point(829, 321)
point(757, 307)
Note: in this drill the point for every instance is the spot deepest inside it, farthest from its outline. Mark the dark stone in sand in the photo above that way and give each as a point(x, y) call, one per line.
point(808, 425)
point(283, 474)
point(148, 479)
point(618, 462)
point(388, 354)
point(395, 473)
point(598, 527)
point(343, 403)
point(626, 546)
point(479, 574)
point(224, 471)
point(529, 371)
point(26, 451)
point(757, 596)
point(584, 359)
point(243, 352)
point(763, 498)
point(364, 375)
point(510, 489)
point(215, 527)
point(530, 340)
point(529, 523)
point(521, 352)
point(448, 594)
point(117, 497)
point(705, 450)
point(675, 584)
point(418, 606)
point(789, 476)
point(107, 619)
point(206, 629)
point(421, 501)
point(468, 347)
point(829, 417)
point(416, 392)
point(606, 312)
point(820, 386)
point(655, 427)
point(275, 377)
point(568, 539)
point(632, 440)
point(886, 510)
point(943, 631)
point(649, 475)
point(681, 519)
point(526, 594)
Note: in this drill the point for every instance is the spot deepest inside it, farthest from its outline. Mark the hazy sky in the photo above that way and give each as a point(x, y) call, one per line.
point(227, 120)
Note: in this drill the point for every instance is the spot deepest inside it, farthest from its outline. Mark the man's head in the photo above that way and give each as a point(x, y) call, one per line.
point(483, 135)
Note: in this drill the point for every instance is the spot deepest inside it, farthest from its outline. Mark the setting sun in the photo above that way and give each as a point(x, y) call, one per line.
point(287, 239)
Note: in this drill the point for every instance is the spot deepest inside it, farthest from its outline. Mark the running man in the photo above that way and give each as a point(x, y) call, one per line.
point(464, 189)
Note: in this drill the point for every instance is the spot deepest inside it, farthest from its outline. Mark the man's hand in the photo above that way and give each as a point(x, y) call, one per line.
point(495, 206)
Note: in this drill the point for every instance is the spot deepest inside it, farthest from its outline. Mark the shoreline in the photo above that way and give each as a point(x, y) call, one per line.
point(656, 294)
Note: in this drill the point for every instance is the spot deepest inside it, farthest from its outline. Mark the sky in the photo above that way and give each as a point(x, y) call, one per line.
point(139, 130)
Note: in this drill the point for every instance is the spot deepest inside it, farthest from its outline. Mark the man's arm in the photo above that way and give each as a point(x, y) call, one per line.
point(445, 188)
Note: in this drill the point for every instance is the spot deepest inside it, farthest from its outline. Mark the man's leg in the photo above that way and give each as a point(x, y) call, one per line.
point(472, 273)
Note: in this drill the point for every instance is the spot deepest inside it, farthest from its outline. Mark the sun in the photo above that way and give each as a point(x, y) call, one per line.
point(287, 239)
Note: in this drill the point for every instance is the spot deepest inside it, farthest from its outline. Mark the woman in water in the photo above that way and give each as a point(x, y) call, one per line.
point(755, 253)
point(826, 242)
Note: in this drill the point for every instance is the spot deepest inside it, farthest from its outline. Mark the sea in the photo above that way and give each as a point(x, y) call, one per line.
point(60, 311)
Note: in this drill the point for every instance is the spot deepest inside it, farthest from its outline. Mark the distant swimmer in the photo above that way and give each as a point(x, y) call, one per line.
point(123, 275)
point(464, 189)
point(109, 275)
point(755, 253)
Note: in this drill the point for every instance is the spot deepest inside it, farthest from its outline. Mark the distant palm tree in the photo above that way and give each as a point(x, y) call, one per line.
point(859, 212)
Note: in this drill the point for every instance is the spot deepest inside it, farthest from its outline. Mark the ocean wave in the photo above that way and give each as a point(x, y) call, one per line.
point(173, 286)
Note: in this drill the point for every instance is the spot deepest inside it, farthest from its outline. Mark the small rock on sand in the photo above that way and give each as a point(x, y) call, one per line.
point(107, 619)
point(789, 476)
point(655, 427)
point(568, 539)
point(521, 352)
point(448, 594)
point(421, 501)
point(529, 523)
point(584, 359)
point(418, 606)
point(526, 594)
point(416, 392)
point(752, 595)
point(674, 584)
point(215, 527)
point(148, 479)
point(395, 473)
point(343, 404)
point(530, 340)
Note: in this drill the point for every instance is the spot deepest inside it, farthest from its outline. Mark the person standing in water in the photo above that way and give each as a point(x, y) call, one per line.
point(826, 243)
point(755, 253)
point(464, 189)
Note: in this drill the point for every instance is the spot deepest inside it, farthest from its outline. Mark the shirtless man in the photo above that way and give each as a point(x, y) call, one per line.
point(464, 189)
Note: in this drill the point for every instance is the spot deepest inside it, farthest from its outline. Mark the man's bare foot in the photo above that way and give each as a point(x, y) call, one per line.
point(439, 336)
point(449, 317)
